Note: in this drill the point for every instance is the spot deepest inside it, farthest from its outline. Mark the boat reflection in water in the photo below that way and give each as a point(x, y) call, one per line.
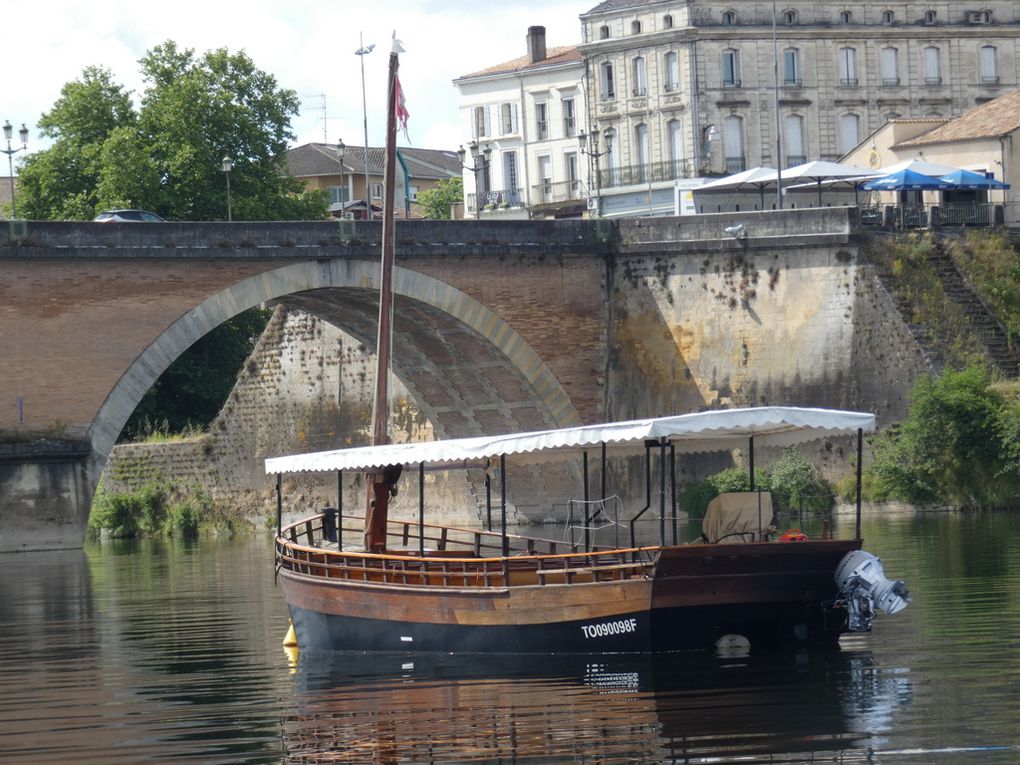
point(665, 708)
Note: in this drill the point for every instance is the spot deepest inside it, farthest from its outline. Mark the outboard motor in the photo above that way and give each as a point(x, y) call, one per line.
point(864, 589)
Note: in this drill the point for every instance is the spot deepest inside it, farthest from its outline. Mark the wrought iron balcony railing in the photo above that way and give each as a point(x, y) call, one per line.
point(631, 175)
point(495, 200)
point(560, 191)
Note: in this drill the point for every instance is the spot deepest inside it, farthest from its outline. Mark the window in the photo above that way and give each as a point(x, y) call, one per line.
point(979, 17)
point(888, 17)
point(672, 72)
point(667, 22)
point(641, 152)
point(606, 81)
point(480, 122)
point(613, 160)
point(338, 195)
point(791, 68)
point(640, 88)
point(729, 18)
point(845, 17)
point(376, 190)
point(573, 177)
point(848, 67)
point(849, 132)
point(569, 121)
point(930, 17)
point(542, 121)
point(890, 67)
point(789, 18)
point(989, 63)
point(507, 118)
point(545, 176)
point(412, 193)
point(603, 33)
point(675, 131)
point(932, 66)
point(795, 154)
point(635, 27)
point(510, 177)
point(731, 68)
point(733, 144)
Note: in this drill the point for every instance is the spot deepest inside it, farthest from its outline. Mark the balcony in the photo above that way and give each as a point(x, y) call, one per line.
point(932, 80)
point(671, 87)
point(639, 90)
point(632, 175)
point(848, 82)
point(890, 82)
point(736, 165)
point(990, 79)
point(495, 200)
point(561, 191)
point(795, 159)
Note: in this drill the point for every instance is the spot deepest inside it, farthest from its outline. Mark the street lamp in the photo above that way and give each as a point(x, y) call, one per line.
point(8, 134)
point(361, 53)
point(480, 155)
point(228, 165)
point(340, 149)
point(589, 143)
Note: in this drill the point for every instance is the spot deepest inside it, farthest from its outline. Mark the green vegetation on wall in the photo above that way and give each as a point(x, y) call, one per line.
point(991, 265)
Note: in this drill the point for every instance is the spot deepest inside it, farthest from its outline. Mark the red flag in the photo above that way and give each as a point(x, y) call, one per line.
point(401, 108)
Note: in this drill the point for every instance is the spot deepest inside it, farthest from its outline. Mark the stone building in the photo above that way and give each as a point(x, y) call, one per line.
point(521, 120)
point(690, 87)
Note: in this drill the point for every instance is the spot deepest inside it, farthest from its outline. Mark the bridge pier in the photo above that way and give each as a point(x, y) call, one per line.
point(45, 495)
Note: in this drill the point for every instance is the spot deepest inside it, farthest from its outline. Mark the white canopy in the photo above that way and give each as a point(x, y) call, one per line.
point(756, 177)
point(697, 432)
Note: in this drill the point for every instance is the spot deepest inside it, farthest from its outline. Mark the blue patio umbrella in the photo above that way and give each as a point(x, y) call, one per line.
point(907, 180)
point(971, 181)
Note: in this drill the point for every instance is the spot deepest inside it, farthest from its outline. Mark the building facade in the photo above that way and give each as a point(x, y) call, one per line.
point(521, 121)
point(691, 87)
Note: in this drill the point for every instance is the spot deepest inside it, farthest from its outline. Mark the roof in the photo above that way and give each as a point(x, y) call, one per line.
point(995, 119)
point(559, 55)
point(608, 6)
point(698, 432)
point(313, 159)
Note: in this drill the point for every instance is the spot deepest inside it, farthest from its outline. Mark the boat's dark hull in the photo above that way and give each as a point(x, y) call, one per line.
point(771, 594)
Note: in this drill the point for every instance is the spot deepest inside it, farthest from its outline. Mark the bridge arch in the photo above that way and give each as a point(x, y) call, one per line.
point(344, 292)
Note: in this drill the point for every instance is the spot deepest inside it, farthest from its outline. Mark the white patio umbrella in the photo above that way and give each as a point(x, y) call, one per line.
point(819, 171)
point(918, 166)
point(756, 177)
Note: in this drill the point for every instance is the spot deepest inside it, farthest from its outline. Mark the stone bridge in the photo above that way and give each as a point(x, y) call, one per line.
point(498, 326)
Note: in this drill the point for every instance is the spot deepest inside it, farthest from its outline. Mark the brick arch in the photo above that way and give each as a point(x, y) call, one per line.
point(345, 293)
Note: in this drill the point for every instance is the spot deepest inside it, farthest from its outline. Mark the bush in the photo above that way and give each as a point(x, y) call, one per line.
point(127, 515)
point(795, 487)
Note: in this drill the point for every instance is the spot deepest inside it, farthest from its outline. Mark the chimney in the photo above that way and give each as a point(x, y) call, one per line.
point(536, 44)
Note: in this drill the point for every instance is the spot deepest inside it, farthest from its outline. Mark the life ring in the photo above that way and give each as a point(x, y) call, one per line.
point(793, 535)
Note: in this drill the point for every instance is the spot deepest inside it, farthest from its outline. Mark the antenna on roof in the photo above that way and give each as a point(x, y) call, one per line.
point(325, 138)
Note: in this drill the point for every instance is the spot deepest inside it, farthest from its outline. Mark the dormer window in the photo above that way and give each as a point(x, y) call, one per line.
point(729, 18)
point(845, 17)
point(790, 18)
point(667, 22)
point(635, 27)
point(979, 17)
point(929, 17)
point(887, 17)
point(604, 33)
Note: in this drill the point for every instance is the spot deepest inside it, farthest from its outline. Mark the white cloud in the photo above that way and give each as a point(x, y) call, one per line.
point(308, 46)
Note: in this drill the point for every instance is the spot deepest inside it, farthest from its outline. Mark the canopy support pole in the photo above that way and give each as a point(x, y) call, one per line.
point(279, 504)
point(421, 509)
point(860, 454)
point(672, 480)
point(340, 509)
point(502, 519)
point(662, 492)
point(587, 530)
point(750, 459)
point(488, 495)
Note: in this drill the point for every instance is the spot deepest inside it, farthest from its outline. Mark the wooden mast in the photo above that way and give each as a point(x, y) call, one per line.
point(382, 485)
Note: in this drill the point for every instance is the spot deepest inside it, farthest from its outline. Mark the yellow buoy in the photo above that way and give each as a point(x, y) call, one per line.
point(290, 641)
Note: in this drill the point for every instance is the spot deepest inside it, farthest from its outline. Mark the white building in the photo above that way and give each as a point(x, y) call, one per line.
point(520, 121)
point(691, 87)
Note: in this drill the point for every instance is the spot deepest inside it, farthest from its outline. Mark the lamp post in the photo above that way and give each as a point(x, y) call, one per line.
point(340, 149)
point(361, 53)
point(480, 155)
point(589, 143)
point(228, 165)
point(779, 123)
point(8, 134)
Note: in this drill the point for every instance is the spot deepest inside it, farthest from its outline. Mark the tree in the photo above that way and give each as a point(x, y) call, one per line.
point(167, 156)
point(437, 201)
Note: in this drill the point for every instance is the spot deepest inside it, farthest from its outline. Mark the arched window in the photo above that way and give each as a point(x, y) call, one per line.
point(642, 152)
point(604, 32)
point(849, 132)
point(729, 18)
point(789, 17)
point(731, 68)
point(635, 27)
point(607, 89)
point(667, 22)
point(932, 61)
point(888, 17)
point(672, 67)
point(845, 17)
point(733, 144)
point(795, 154)
point(675, 131)
point(930, 17)
point(989, 63)
point(791, 68)
point(639, 87)
point(613, 158)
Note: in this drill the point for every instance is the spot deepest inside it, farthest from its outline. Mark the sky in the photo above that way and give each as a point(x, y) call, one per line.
point(309, 47)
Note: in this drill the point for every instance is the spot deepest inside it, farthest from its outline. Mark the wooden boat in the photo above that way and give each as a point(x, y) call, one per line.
point(423, 587)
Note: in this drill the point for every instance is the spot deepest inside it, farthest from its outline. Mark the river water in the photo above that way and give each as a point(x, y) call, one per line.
point(171, 651)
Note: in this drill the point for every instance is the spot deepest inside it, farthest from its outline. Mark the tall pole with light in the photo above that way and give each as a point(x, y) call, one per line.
point(480, 156)
point(340, 149)
point(779, 123)
point(228, 165)
point(8, 135)
point(589, 144)
point(361, 53)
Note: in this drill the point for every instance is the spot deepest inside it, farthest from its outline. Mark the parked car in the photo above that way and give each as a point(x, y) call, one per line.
point(128, 216)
